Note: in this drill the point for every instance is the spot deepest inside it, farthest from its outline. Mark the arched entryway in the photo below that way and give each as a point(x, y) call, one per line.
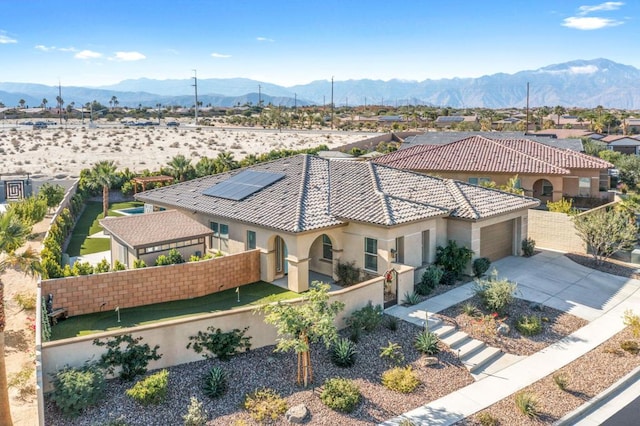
point(282, 266)
point(321, 259)
point(543, 190)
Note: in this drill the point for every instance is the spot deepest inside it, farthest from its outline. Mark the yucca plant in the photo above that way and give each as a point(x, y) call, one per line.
point(411, 299)
point(427, 342)
point(215, 382)
point(391, 323)
point(343, 353)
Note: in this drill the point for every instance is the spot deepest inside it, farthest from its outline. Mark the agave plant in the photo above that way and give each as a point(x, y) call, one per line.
point(215, 382)
point(427, 342)
point(343, 353)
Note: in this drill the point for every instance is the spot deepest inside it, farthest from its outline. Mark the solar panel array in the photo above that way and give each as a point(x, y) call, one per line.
point(243, 184)
point(450, 119)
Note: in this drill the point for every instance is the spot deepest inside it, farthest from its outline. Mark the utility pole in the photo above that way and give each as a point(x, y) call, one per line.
point(59, 102)
point(195, 85)
point(259, 96)
point(295, 102)
point(158, 105)
point(332, 102)
point(527, 128)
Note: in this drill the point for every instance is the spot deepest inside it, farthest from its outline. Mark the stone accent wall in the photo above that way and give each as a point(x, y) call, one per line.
point(554, 231)
point(137, 287)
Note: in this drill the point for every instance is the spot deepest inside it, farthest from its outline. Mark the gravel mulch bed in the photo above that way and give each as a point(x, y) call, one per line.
point(264, 368)
point(586, 377)
point(555, 325)
point(610, 266)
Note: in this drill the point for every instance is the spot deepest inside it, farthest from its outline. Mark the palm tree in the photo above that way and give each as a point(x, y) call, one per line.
point(113, 102)
point(44, 103)
point(225, 162)
point(559, 110)
point(180, 166)
point(22, 102)
point(13, 234)
point(103, 175)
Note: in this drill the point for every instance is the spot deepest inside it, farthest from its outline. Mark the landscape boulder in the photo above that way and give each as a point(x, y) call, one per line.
point(297, 414)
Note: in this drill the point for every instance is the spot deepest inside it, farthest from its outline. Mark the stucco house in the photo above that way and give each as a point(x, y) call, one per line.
point(623, 144)
point(545, 172)
point(306, 213)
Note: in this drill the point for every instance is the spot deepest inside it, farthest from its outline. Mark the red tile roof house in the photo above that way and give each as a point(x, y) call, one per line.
point(545, 172)
point(305, 213)
point(623, 144)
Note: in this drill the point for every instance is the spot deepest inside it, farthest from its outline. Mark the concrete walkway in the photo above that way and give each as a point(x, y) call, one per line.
point(553, 280)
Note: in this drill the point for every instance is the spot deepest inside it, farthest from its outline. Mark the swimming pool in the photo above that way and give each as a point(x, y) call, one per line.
point(131, 210)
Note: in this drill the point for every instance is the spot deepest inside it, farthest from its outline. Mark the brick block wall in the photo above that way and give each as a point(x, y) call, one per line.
point(554, 231)
point(137, 287)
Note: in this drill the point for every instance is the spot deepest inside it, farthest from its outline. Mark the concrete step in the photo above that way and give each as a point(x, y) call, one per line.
point(454, 338)
point(499, 363)
point(468, 347)
point(480, 358)
point(443, 330)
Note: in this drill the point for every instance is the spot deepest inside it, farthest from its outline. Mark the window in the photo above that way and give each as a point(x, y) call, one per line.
point(251, 240)
point(220, 237)
point(547, 188)
point(478, 181)
point(399, 250)
point(371, 254)
point(425, 247)
point(584, 187)
point(473, 180)
point(327, 248)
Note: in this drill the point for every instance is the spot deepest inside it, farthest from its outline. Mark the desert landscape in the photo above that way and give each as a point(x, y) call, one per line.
point(62, 151)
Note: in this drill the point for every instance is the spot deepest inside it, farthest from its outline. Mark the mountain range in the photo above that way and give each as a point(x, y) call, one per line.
point(579, 83)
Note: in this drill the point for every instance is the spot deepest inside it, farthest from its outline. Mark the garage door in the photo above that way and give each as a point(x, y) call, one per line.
point(496, 241)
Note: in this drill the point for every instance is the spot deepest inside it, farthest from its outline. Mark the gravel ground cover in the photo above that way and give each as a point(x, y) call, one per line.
point(263, 368)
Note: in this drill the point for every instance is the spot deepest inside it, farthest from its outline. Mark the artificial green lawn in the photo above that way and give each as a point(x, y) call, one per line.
point(251, 294)
point(88, 224)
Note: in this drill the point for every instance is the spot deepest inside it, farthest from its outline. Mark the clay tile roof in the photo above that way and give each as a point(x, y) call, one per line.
point(480, 154)
point(140, 230)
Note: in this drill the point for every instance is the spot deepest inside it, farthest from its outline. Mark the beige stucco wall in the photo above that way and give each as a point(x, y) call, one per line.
point(173, 336)
point(554, 231)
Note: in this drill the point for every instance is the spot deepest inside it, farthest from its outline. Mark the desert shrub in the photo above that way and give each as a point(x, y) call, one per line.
point(496, 294)
point(448, 278)
point(632, 321)
point(529, 325)
point(75, 389)
point(343, 353)
point(411, 299)
point(392, 352)
point(528, 247)
point(222, 345)
point(561, 381)
point(480, 266)
point(175, 257)
point(162, 260)
point(51, 195)
point(133, 358)
point(196, 414)
point(630, 346)
point(561, 206)
point(400, 379)
point(347, 273)
point(340, 394)
point(26, 300)
point(102, 267)
point(139, 263)
point(430, 279)
point(391, 322)
point(486, 419)
point(118, 266)
point(265, 404)
point(527, 404)
point(23, 381)
point(453, 258)
point(427, 342)
point(367, 318)
point(150, 390)
point(470, 309)
point(215, 382)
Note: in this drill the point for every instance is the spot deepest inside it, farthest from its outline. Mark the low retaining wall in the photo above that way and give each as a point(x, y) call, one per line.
point(136, 287)
point(554, 231)
point(173, 336)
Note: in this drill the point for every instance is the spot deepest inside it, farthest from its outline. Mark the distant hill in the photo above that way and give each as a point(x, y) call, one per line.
point(580, 83)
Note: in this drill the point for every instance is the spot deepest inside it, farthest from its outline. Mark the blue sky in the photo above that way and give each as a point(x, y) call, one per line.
point(292, 42)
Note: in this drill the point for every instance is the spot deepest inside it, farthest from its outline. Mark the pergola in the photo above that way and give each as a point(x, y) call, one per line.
point(144, 180)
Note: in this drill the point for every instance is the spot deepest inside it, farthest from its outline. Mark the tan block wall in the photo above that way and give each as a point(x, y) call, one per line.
point(137, 287)
point(554, 231)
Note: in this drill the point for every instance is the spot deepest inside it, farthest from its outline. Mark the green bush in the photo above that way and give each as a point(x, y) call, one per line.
point(453, 258)
point(527, 404)
point(133, 359)
point(486, 419)
point(529, 325)
point(480, 266)
point(219, 344)
point(391, 322)
point(343, 353)
point(162, 260)
point(75, 389)
point(347, 273)
point(367, 318)
point(427, 342)
point(151, 390)
point(340, 394)
point(470, 309)
point(528, 247)
point(265, 404)
point(400, 379)
point(496, 294)
point(392, 352)
point(139, 263)
point(632, 321)
point(215, 382)
point(118, 266)
point(82, 268)
point(430, 279)
point(411, 299)
point(51, 195)
point(561, 206)
point(29, 210)
point(448, 278)
point(175, 257)
point(102, 267)
point(196, 414)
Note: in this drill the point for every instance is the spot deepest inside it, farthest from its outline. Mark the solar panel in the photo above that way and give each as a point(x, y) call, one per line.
point(242, 185)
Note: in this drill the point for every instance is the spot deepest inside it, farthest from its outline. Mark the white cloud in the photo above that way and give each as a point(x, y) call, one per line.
point(7, 40)
point(270, 40)
point(609, 5)
point(44, 48)
point(585, 69)
point(219, 55)
point(128, 56)
point(589, 23)
point(87, 54)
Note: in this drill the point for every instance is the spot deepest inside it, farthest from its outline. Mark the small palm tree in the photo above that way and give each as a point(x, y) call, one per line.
point(225, 162)
point(179, 167)
point(103, 175)
point(44, 103)
point(13, 234)
point(22, 102)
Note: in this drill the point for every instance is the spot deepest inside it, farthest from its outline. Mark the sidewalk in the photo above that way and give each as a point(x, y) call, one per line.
point(549, 278)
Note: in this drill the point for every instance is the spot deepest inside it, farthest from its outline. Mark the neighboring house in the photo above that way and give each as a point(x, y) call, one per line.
point(149, 235)
point(623, 144)
point(632, 125)
point(567, 121)
point(567, 133)
point(305, 214)
point(449, 120)
point(544, 172)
